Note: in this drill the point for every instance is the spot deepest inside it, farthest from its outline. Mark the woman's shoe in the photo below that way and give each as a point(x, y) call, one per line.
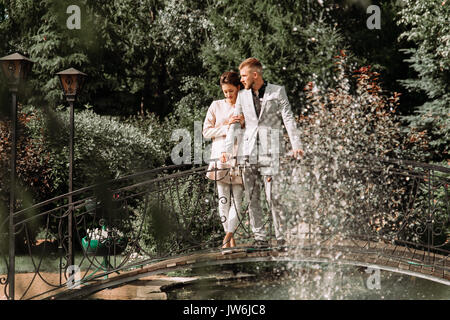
point(227, 250)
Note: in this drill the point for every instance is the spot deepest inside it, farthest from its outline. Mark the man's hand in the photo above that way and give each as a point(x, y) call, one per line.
point(298, 153)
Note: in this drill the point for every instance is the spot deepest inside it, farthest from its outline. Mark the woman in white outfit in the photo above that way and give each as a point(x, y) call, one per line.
point(229, 181)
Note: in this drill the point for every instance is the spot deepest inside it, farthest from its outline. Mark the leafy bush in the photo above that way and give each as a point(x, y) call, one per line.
point(433, 120)
point(181, 215)
point(345, 130)
point(33, 172)
point(356, 119)
point(157, 130)
point(32, 161)
point(104, 148)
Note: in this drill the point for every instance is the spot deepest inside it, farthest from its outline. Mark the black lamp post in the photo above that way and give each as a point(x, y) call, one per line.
point(15, 67)
point(72, 82)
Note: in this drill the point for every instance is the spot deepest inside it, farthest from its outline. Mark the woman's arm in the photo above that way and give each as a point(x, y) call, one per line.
point(210, 130)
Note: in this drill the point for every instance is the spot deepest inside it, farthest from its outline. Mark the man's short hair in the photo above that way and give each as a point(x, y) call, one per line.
point(252, 63)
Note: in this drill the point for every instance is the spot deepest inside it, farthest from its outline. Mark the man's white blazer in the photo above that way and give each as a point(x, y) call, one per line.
point(268, 127)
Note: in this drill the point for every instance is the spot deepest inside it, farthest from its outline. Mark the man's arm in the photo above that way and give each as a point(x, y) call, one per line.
point(289, 123)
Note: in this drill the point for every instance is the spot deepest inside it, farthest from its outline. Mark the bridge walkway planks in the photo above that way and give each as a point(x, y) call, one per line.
point(386, 256)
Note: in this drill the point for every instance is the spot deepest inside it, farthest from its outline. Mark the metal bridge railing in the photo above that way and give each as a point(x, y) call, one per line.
point(129, 222)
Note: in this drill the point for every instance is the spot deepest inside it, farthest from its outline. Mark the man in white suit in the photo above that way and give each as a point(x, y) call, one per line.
point(266, 108)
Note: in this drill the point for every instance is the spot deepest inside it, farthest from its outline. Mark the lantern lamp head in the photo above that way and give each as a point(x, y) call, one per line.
point(72, 82)
point(16, 68)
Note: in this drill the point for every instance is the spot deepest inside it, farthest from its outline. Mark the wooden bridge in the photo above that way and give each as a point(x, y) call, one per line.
point(169, 217)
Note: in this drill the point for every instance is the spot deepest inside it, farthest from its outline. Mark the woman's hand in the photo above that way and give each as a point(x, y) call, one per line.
point(235, 119)
point(297, 154)
point(224, 157)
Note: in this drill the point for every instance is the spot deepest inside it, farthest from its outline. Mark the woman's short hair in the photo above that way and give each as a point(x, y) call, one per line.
point(230, 77)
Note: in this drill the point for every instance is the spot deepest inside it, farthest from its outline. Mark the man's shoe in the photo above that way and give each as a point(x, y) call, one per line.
point(281, 245)
point(260, 244)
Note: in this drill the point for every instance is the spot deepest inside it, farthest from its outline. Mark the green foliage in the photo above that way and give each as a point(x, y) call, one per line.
point(129, 49)
point(433, 120)
point(181, 215)
point(345, 132)
point(429, 32)
point(290, 38)
point(33, 171)
point(104, 148)
point(54, 48)
point(157, 130)
point(356, 120)
point(32, 164)
point(378, 48)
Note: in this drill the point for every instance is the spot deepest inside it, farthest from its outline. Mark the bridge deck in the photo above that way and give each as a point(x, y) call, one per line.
point(385, 256)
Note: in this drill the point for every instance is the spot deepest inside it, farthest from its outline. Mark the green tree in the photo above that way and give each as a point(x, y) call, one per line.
point(429, 56)
point(135, 52)
point(378, 48)
point(292, 39)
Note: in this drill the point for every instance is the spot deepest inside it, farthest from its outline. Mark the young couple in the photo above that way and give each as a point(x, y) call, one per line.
point(259, 109)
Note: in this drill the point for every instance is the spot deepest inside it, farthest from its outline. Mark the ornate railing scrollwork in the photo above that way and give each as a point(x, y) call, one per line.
point(173, 210)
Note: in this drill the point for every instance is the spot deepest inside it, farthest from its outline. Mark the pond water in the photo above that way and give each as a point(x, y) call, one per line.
point(314, 282)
